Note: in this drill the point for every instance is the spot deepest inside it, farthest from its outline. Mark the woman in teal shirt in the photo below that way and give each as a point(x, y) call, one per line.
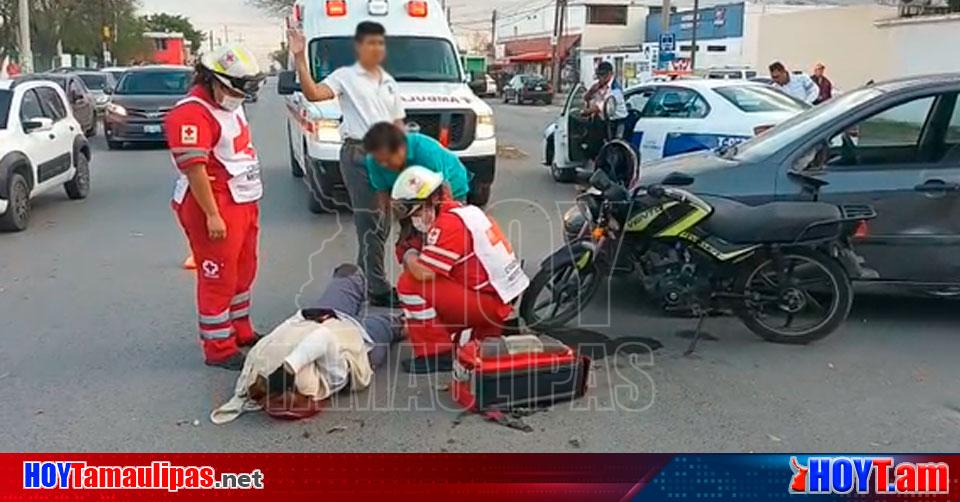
point(390, 150)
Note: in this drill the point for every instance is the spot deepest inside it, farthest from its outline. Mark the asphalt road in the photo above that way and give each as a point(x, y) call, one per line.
point(99, 350)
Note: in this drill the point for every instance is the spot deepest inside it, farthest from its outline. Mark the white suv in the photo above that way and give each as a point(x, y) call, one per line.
point(42, 146)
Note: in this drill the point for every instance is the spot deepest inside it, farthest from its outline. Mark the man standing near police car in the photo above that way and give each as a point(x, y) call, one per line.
point(368, 95)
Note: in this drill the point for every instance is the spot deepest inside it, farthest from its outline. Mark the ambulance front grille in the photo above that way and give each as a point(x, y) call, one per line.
point(459, 124)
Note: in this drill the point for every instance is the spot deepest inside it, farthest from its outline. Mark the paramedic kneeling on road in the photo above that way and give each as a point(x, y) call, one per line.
point(216, 197)
point(460, 273)
point(391, 150)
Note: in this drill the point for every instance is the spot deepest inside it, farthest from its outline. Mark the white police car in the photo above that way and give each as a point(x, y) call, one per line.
point(672, 118)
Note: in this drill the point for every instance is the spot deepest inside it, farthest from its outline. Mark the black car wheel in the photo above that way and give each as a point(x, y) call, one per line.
point(562, 175)
point(79, 187)
point(18, 208)
point(295, 169)
point(321, 195)
point(114, 145)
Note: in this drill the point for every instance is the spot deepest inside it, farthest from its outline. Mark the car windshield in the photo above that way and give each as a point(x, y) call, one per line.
point(172, 82)
point(798, 126)
point(757, 99)
point(6, 97)
point(94, 81)
point(409, 59)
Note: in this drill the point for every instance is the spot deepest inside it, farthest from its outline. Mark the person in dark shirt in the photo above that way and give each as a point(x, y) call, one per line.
point(824, 83)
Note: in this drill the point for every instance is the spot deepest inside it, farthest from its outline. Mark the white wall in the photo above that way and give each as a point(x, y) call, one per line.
point(920, 45)
point(597, 36)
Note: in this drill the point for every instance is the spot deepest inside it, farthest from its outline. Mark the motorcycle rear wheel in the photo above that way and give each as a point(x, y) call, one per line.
point(563, 291)
point(814, 283)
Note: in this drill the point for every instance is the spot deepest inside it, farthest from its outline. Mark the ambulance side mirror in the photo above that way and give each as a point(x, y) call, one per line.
point(287, 83)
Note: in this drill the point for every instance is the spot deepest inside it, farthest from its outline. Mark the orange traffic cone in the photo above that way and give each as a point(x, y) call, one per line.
point(189, 263)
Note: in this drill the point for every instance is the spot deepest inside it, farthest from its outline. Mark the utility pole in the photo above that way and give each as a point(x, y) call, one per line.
point(693, 36)
point(493, 35)
point(26, 52)
point(559, 9)
point(211, 40)
point(226, 34)
point(665, 17)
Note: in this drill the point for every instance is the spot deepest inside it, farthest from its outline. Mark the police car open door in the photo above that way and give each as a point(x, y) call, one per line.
point(572, 130)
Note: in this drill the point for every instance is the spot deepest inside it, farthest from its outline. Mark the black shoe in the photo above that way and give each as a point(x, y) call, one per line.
point(234, 363)
point(437, 363)
point(388, 299)
point(256, 339)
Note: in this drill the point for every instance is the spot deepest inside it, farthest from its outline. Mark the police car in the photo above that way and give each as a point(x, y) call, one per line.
point(421, 55)
point(672, 118)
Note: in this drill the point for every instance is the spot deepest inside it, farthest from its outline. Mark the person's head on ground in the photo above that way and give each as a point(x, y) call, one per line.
point(779, 73)
point(229, 74)
point(819, 69)
point(370, 41)
point(604, 72)
point(387, 144)
point(418, 194)
point(347, 270)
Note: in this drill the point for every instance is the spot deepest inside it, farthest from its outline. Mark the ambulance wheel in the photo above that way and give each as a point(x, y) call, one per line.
point(295, 168)
point(562, 175)
point(320, 196)
point(79, 187)
point(114, 145)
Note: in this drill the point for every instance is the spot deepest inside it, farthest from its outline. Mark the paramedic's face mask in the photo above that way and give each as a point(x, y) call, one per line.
point(227, 98)
point(423, 218)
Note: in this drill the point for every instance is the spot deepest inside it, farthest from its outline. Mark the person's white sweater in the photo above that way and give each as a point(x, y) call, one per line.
point(324, 357)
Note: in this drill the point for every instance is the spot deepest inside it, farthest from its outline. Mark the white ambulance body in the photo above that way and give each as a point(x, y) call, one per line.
point(421, 55)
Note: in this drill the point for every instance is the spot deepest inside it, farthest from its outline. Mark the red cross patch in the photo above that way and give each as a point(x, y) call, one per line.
point(188, 135)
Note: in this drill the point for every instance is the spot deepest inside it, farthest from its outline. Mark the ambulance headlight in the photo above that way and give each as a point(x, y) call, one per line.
point(485, 129)
point(326, 130)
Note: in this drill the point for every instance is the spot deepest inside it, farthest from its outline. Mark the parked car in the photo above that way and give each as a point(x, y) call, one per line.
point(42, 146)
point(672, 118)
point(101, 85)
point(894, 145)
point(80, 98)
point(142, 100)
point(524, 88)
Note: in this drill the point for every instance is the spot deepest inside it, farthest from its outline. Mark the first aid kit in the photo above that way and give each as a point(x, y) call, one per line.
point(517, 371)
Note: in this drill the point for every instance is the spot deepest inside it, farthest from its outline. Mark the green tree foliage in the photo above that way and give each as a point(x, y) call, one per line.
point(272, 6)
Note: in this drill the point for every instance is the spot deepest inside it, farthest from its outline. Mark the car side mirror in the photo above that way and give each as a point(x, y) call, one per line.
point(678, 179)
point(287, 83)
point(39, 124)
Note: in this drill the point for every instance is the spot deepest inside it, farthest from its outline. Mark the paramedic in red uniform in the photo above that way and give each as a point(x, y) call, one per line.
point(460, 273)
point(216, 196)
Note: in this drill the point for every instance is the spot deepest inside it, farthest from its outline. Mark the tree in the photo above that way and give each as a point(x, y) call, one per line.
point(280, 57)
point(281, 7)
point(175, 24)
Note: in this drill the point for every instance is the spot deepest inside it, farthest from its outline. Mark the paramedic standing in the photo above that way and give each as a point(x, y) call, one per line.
point(216, 197)
point(368, 95)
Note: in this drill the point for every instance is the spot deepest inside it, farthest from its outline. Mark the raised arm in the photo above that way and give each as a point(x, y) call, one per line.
point(313, 90)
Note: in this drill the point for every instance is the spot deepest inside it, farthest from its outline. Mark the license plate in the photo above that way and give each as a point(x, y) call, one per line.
point(153, 129)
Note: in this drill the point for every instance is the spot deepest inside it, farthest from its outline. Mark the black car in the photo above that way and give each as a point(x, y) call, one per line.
point(528, 88)
point(81, 100)
point(894, 145)
point(141, 101)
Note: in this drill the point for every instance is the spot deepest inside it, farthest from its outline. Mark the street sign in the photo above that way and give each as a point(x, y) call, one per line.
point(668, 42)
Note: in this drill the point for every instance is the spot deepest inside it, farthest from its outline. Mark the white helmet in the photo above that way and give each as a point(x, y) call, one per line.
point(415, 185)
point(235, 67)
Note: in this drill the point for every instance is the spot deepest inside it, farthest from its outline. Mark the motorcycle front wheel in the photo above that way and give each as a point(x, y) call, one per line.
point(799, 298)
point(555, 296)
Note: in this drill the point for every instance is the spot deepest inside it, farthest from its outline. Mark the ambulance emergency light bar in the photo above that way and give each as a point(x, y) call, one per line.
point(338, 8)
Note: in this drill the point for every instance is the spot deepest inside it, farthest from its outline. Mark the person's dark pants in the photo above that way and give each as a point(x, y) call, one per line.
point(346, 294)
point(371, 224)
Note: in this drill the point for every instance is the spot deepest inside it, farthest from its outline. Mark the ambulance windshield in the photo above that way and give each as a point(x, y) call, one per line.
point(409, 59)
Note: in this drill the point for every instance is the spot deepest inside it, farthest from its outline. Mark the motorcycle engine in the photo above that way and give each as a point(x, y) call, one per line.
point(671, 275)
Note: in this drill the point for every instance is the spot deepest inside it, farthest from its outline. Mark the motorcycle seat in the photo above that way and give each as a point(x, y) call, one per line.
point(772, 223)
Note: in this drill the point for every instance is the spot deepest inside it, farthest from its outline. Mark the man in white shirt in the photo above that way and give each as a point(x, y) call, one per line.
point(368, 95)
point(798, 86)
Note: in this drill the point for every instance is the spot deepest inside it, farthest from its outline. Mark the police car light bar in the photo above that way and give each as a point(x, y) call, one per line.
point(417, 8)
point(377, 8)
point(336, 8)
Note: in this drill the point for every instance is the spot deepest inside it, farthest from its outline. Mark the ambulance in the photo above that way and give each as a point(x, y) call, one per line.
point(422, 56)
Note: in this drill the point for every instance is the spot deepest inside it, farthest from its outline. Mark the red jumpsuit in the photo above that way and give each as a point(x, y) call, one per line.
point(200, 132)
point(460, 297)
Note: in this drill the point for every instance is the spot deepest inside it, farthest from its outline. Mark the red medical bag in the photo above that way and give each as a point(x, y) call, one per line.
point(517, 371)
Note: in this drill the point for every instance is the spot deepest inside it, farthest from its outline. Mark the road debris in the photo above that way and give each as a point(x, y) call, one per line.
point(575, 442)
point(335, 429)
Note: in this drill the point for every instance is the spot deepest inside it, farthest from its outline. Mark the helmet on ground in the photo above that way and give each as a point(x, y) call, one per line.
point(235, 67)
point(413, 187)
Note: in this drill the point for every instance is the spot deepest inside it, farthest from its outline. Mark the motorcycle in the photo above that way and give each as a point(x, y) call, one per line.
point(783, 268)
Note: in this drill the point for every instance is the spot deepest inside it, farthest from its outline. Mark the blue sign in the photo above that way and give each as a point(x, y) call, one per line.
point(668, 42)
